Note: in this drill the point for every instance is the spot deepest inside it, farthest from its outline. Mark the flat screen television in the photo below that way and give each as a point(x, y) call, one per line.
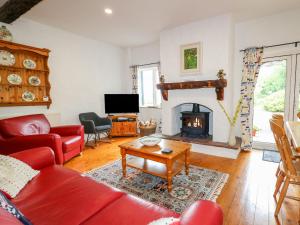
point(121, 103)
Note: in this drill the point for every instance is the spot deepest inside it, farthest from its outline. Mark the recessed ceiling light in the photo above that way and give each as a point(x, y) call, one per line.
point(108, 11)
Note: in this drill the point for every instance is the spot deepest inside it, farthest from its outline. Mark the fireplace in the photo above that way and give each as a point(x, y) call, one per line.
point(195, 123)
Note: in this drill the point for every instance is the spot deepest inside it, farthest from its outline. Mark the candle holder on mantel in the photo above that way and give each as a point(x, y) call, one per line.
point(162, 78)
point(221, 75)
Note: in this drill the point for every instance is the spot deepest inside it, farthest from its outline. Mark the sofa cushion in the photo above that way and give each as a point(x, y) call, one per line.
point(103, 127)
point(12, 209)
point(14, 175)
point(48, 180)
point(131, 210)
point(24, 125)
point(69, 143)
point(77, 198)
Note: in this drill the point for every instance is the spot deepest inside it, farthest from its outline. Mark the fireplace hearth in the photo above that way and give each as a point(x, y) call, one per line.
point(195, 123)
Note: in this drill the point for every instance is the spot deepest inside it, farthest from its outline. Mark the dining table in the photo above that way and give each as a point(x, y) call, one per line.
point(293, 130)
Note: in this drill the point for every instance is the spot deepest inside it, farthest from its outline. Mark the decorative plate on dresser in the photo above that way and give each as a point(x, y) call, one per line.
point(14, 79)
point(28, 96)
point(29, 64)
point(7, 58)
point(34, 80)
point(25, 75)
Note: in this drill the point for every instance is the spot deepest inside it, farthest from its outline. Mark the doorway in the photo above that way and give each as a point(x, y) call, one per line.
point(276, 91)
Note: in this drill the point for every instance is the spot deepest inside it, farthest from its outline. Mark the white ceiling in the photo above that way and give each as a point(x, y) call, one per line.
point(137, 22)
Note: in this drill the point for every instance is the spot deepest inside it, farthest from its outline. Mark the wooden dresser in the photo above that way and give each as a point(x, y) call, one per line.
point(24, 75)
point(123, 125)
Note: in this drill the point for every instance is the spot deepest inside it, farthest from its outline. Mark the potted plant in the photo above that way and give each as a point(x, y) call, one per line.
point(255, 129)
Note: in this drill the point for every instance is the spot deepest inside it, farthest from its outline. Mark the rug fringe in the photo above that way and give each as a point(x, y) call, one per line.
point(217, 191)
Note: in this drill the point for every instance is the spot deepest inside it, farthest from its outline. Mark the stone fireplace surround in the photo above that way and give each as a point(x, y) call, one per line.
point(219, 126)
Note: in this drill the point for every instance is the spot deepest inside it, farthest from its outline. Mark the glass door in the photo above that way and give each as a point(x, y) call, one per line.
point(272, 95)
point(296, 107)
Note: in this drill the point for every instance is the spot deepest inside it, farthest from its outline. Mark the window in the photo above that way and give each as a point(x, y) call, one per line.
point(147, 79)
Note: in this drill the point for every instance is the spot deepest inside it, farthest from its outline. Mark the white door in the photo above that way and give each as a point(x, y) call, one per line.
point(275, 92)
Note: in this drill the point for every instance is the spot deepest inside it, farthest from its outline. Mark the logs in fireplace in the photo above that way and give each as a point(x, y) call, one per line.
point(195, 123)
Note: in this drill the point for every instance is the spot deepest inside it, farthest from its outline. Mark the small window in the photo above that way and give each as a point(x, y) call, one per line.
point(148, 78)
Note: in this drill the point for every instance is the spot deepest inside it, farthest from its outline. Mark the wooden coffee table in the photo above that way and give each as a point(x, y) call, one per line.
point(151, 160)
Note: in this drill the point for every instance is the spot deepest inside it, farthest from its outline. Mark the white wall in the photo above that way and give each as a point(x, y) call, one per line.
point(142, 55)
point(81, 70)
point(270, 30)
point(145, 54)
point(222, 39)
point(216, 35)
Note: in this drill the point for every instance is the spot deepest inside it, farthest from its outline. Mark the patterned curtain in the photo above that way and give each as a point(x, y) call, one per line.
point(134, 76)
point(251, 65)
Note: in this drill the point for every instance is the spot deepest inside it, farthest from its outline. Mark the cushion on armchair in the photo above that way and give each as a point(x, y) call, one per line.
point(69, 143)
point(14, 175)
point(24, 125)
point(103, 127)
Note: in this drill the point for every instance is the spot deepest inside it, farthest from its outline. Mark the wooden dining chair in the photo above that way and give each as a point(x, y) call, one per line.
point(289, 168)
point(278, 118)
point(298, 115)
point(279, 173)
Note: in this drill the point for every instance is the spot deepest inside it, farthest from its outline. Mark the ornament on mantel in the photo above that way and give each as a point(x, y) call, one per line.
point(162, 78)
point(221, 74)
point(5, 34)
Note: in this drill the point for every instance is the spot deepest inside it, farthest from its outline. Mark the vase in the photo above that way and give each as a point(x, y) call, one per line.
point(5, 34)
point(231, 139)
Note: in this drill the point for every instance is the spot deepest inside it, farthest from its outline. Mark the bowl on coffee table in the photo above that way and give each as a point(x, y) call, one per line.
point(149, 141)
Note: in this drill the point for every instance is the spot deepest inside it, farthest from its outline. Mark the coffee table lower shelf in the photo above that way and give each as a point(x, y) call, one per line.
point(152, 167)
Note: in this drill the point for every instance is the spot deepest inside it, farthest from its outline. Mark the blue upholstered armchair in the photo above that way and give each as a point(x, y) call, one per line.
point(94, 125)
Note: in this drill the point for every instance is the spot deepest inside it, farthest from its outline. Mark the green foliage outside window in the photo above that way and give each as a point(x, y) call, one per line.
point(275, 102)
point(270, 90)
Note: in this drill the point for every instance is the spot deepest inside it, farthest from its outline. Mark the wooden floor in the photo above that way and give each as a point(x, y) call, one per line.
point(247, 197)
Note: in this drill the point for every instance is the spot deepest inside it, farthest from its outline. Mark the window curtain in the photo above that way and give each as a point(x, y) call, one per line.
point(134, 77)
point(251, 64)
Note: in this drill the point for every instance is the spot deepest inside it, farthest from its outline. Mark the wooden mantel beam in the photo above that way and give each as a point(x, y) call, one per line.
point(13, 9)
point(219, 85)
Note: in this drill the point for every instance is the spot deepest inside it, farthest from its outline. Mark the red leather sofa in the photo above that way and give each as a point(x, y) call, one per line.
point(62, 196)
point(23, 132)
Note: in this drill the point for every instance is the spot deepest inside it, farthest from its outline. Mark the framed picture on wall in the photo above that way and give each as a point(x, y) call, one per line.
point(191, 58)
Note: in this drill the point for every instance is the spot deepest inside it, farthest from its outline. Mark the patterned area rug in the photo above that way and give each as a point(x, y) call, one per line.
point(200, 184)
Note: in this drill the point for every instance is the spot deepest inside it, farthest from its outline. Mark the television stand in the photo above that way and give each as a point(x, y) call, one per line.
point(123, 125)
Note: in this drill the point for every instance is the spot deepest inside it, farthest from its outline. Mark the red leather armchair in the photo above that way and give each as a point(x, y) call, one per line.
point(23, 132)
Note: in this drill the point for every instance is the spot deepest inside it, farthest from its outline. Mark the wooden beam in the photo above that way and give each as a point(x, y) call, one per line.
point(13, 9)
point(219, 85)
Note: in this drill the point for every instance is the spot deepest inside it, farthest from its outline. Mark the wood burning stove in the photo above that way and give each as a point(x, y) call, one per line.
point(195, 123)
